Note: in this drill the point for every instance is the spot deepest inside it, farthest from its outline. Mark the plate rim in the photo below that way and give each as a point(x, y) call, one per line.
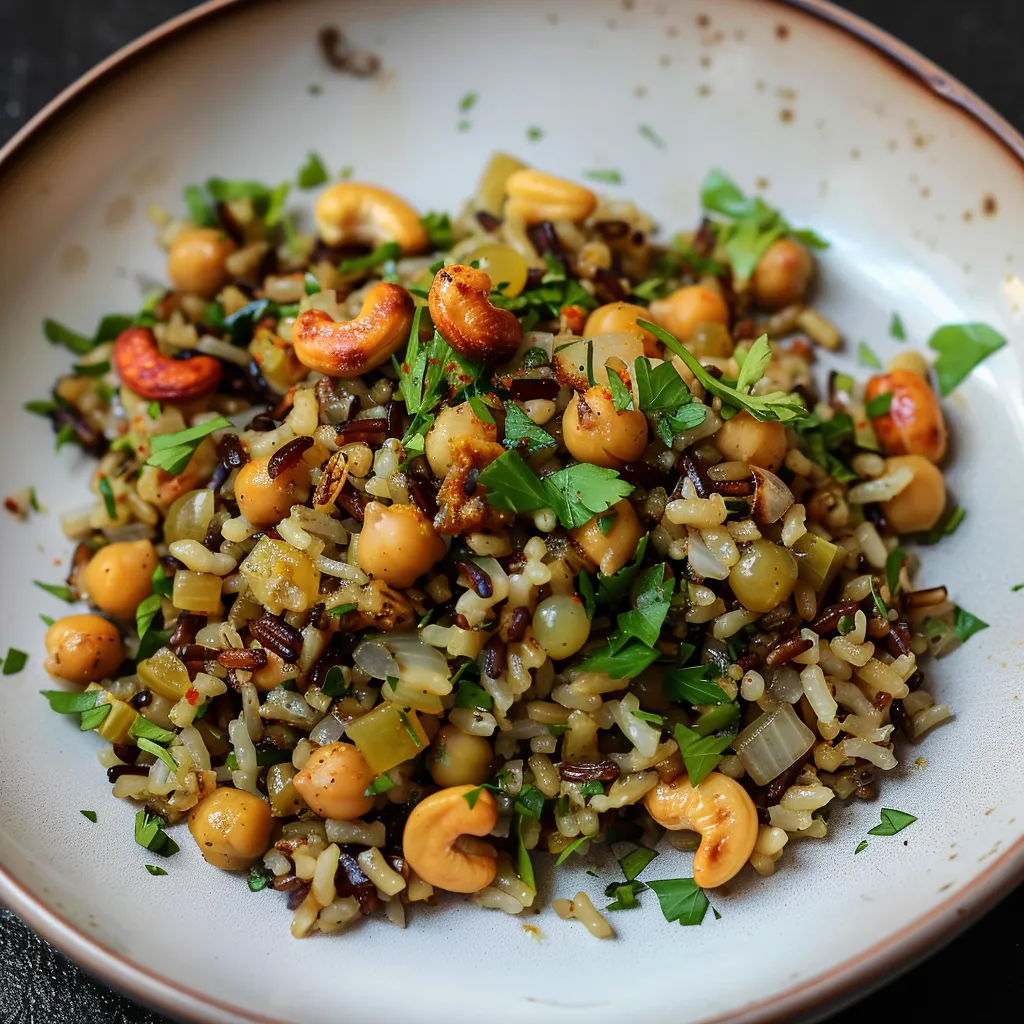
point(852, 979)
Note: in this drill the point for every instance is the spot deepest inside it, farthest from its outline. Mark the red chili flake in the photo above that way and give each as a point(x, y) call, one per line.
point(192, 696)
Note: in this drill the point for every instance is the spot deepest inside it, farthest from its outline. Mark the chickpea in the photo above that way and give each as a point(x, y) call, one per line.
point(920, 504)
point(264, 501)
point(83, 649)
point(561, 626)
point(232, 828)
point(610, 550)
point(458, 759)
point(398, 544)
point(274, 673)
point(196, 260)
point(686, 309)
point(334, 782)
point(621, 318)
point(782, 274)
point(595, 432)
point(914, 424)
point(119, 576)
point(743, 438)
point(503, 264)
point(764, 576)
point(452, 422)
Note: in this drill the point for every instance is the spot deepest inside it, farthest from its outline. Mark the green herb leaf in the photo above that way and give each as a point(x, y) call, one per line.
point(777, 405)
point(625, 897)
point(571, 848)
point(438, 227)
point(754, 364)
point(585, 588)
point(634, 862)
point(47, 620)
point(844, 625)
point(259, 878)
point(609, 176)
point(153, 870)
point(590, 788)
point(524, 866)
point(15, 661)
point(530, 802)
point(381, 784)
point(145, 614)
point(341, 609)
point(513, 485)
point(644, 621)
point(173, 452)
point(879, 405)
point(1016, 588)
point(613, 589)
point(67, 703)
point(334, 682)
point(892, 822)
point(149, 834)
point(582, 491)
point(717, 718)
point(861, 846)
point(163, 585)
point(961, 348)
point(896, 328)
point(312, 173)
point(43, 406)
point(622, 397)
point(157, 751)
point(143, 728)
point(944, 528)
point(879, 603)
point(659, 388)
point(694, 685)
point(965, 625)
point(383, 253)
point(58, 334)
point(893, 565)
point(701, 754)
point(404, 717)
point(626, 663)
point(199, 211)
point(866, 357)
point(94, 717)
point(91, 369)
point(64, 593)
point(519, 428)
point(647, 132)
point(470, 695)
point(108, 497)
point(534, 134)
point(681, 900)
point(468, 101)
point(241, 325)
point(91, 815)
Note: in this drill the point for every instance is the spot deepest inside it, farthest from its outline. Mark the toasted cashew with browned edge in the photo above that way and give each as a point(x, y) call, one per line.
point(534, 196)
point(461, 309)
point(431, 839)
point(152, 375)
point(350, 213)
point(350, 348)
point(721, 811)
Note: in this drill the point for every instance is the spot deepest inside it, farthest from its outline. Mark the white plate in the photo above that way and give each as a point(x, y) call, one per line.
point(925, 210)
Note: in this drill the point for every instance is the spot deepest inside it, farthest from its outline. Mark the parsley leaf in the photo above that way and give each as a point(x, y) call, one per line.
point(312, 173)
point(108, 497)
point(149, 834)
point(861, 846)
point(622, 397)
point(381, 784)
point(625, 663)
point(173, 452)
point(700, 753)
point(659, 388)
point(513, 485)
point(610, 176)
point(519, 428)
point(150, 747)
point(68, 703)
point(866, 357)
point(896, 328)
point(438, 227)
point(681, 900)
point(777, 405)
point(154, 870)
point(572, 847)
point(644, 621)
point(893, 565)
point(383, 253)
point(163, 585)
point(961, 348)
point(944, 529)
point(625, 896)
point(635, 861)
point(143, 728)
point(754, 364)
point(471, 695)
point(91, 815)
point(694, 685)
point(965, 625)
point(651, 135)
point(612, 590)
point(15, 661)
point(58, 334)
point(64, 593)
point(199, 211)
point(524, 866)
point(892, 822)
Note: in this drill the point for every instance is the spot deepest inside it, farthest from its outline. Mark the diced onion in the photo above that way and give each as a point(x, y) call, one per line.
point(702, 561)
point(772, 498)
point(776, 740)
point(374, 658)
point(883, 488)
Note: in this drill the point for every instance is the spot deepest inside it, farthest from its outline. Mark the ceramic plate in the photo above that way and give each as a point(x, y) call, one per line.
point(924, 206)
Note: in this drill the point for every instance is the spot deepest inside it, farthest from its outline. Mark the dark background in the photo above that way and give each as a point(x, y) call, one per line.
point(49, 43)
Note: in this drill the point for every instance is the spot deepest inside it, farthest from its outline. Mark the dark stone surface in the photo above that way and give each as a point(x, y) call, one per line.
point(46, 44)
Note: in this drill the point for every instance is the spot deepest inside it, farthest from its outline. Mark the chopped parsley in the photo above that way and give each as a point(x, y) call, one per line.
point(173, 452)
point(438, 227)
point(844, 625)
point(163, 585)
point(312, 173)
point(622, 397)
point(861, 846)
point(695, 685)
point(259, 877)
point(644, 621)
point(613, 589)
point(681, 900)
point(58, 334)
point(534, 133)
point(701, 754)
point(153, 410)
point(143, 728)
point(150, 640)
point(15, 661)
point(404, 717)
point(1016, 588)
point(625, 895)
point(893, 565)
point(521, 431)
point(524, 866)
point(154, 870)
point(575, 844)
point(965, 625)
point(150, 834)
point(896, 328)
point(892, 822)
point(609, 176)
point(468, 101)
point(625, 663)
point(91, 815)
point(879, 405)
point(648, 133)
point(381, 784)
point(107, 329)
point(382, 254)
point(64, 593)
point(634, 862)
point(471, 695)
point(944, 528)
point(866, 357)
point(108, 497)
point(199, 211)
point(530, 802)
point(961, 348)
point(150, 747)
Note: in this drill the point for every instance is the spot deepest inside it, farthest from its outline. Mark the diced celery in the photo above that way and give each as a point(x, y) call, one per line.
point(387, 736)
point(114, 728)
point(197, 592)
point(165, 674)
point(716, 718)
point(281, 576)
point(818, 561)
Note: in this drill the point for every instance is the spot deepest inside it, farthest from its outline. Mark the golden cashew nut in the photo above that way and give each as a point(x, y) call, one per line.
point(461, 309)
point(353, 347)
point(432, 833)
point(349, 213)
point(534, 196)
point(721, 811)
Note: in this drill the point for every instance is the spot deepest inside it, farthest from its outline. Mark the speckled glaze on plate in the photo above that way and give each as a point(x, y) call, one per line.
point(919, 187)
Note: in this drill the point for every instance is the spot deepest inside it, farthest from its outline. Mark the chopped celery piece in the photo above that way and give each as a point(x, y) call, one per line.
point(387, 736)
point(816, 559)
point(165, 674)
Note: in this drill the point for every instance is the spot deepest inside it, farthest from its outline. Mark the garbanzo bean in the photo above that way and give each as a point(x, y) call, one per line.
point(119, 576)
point(782, 274)
point(232, 828)
point(620, 318)
point(561, 625)
point(196, 260)
point(398, 544)
point(458, 759)
point(595, 432)
point(682, 312)
point(914, 424)
point(264, 501)
point(506, 268)
point(764, 576)
point(919, 506)
point(742, 438)
point(334, 782)
point(83, 649)
point(612, 548)
point(451, 422)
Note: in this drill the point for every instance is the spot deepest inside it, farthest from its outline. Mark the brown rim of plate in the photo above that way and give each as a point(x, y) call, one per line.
point(848, 981)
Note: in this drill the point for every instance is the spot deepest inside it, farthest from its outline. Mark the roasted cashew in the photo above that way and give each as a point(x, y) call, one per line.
point(351, 348)
point(534, 196)
point(461, 309)
point(721, 811)
point(432, 834)
point(350, 213)
point(145, 371)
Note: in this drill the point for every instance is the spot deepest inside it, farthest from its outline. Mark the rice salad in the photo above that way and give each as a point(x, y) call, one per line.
point(423, 547)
